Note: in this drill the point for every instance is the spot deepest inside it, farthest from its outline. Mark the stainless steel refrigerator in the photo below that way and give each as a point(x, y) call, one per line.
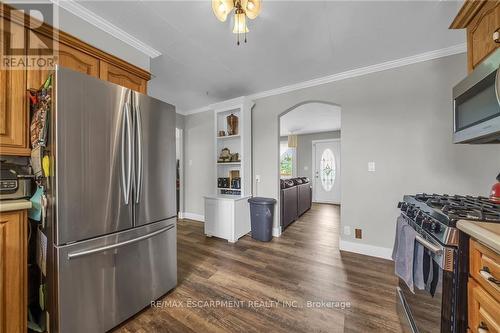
point(111, 222)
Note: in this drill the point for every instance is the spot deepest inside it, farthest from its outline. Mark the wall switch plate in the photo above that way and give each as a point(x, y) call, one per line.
point(347, 230)
point(358, 233)
point(306, 168)
point(371, 166)
point(257, 178)
point(190, 162)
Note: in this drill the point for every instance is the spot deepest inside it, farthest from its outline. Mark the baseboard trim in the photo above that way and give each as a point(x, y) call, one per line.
point(277, 232)
point(192, 216)
point(365, 249)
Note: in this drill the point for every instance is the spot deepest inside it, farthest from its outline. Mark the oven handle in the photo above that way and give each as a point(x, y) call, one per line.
point(428, 245)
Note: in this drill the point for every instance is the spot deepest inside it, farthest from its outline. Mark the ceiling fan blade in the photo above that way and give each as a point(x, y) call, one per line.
point(222, 8)
point(252, 8)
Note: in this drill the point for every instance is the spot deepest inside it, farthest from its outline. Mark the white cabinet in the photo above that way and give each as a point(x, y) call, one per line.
point(227, 217)
point(227, 212)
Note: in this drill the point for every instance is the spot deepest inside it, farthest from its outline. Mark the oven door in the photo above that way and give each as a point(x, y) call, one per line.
point(420, 312)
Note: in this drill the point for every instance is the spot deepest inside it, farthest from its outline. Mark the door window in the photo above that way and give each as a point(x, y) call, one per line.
point(327, 169)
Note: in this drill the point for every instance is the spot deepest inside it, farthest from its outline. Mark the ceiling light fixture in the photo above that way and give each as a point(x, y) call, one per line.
point(242, 10)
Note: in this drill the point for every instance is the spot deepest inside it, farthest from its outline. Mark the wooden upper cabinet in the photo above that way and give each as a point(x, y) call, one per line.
point(119, 76)
point(482, 20)
point(67, 57)
point(14, 113)
point(72, 53)
point(78, 61)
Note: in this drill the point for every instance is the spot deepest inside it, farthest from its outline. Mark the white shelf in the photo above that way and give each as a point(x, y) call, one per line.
point(229, 188)
point(228, 163)
point(228, 137)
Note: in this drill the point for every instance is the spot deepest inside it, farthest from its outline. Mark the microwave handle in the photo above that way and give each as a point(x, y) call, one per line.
point(497, 85)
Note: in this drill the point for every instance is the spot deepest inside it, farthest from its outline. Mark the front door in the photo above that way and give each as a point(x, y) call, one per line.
point(326, 183)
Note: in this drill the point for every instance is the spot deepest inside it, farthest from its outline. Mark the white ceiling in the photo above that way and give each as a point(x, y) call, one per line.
point(310, 118)
point(290, 42)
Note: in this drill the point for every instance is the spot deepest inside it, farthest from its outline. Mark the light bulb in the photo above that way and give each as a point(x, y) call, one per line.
point(240, 24)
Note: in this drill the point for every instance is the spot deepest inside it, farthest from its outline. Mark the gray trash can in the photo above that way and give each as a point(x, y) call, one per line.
point(261, 214)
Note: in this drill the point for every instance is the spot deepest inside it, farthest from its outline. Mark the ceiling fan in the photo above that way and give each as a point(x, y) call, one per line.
point(242, 10)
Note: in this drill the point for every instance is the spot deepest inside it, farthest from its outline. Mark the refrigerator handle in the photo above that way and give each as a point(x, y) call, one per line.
point(125, 150)
point(74, 255)
point(139, 152)
point(124, 179)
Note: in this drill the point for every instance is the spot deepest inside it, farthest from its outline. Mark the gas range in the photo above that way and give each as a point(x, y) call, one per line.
point(438, 214)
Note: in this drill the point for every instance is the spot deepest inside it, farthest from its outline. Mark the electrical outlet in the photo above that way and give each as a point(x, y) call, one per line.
point(306, 168)
point(358, 233)
point(371, 166)
point(347, 230)
point(257, 178)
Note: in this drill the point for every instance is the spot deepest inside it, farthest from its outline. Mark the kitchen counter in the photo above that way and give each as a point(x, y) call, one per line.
point(486, 233)
point(10, 205)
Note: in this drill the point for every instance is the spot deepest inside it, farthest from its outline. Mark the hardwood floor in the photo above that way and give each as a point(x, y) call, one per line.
point(270, 284)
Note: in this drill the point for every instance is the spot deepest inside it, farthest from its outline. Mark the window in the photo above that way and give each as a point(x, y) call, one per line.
point(287, 160)
point(327, 170)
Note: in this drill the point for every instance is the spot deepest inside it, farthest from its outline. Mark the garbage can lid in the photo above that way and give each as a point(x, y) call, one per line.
point(262, 201)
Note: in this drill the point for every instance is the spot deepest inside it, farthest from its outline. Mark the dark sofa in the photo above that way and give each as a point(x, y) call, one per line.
point(296, 199)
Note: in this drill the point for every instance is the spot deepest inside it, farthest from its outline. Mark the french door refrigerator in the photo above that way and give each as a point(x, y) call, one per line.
point(111, 220)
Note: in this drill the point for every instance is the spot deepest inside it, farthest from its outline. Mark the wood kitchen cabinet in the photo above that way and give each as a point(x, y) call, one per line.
point(66, 57)
point(72, 53)
point(13, 105)
point(13, 271)
point(111, 73)
point(483, 291)
point(481, 19)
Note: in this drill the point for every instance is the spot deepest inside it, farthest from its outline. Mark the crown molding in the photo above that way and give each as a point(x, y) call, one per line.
point(90, 17)
point(426, 56)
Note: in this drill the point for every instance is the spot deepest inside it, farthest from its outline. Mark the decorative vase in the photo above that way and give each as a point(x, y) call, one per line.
point(232, 124)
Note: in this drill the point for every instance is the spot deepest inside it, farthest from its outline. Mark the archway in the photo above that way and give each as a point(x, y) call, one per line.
point(309, 164)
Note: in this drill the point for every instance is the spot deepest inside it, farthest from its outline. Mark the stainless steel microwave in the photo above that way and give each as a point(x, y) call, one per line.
point(476, 104)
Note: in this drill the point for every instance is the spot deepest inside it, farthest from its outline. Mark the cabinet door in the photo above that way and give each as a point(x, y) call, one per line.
point(67, 57)
point(78, 61)
point(13, 98)
point(119, 76)
point(484, 310)
point(480, 33)
point(13, 272)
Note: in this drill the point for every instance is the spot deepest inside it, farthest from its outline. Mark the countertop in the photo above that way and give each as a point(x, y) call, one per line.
point(486, 233)
point(10, 205)
point(228, 197)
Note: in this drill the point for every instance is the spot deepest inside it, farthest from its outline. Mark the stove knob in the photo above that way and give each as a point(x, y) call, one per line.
point(436, 227)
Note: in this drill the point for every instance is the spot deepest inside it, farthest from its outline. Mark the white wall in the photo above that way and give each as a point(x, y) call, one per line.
point(402, 120)
point(199, 171)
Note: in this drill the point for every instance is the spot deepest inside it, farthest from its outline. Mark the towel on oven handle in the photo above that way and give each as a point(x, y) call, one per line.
point(403, 252)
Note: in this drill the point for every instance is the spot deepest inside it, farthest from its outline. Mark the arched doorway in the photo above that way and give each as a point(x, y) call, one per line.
point(309, 159)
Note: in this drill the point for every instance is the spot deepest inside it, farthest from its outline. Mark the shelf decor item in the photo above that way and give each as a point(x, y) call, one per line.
point(232, 124)
point(222, 133)
point(225, 156)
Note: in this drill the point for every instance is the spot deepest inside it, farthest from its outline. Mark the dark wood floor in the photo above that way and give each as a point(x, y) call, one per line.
point(273, 282)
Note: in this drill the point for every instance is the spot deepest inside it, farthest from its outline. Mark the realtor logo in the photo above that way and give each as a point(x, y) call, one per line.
point(27, 40)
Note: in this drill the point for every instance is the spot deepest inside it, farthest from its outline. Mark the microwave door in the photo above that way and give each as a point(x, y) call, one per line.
point(154, 193)
point(476, 104)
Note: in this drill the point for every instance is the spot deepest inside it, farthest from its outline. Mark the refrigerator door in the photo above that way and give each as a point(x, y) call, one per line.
point(93, 157)
point(106, 280)
point(154, 190)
